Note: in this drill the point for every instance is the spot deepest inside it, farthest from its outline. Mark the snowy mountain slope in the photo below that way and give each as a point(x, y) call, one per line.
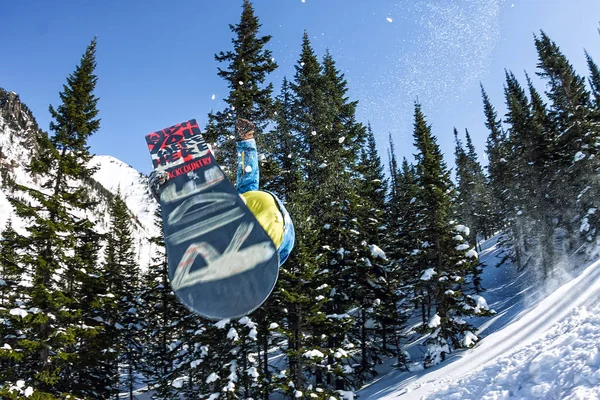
point(549, 350)
point(17, 147)
point(17, 129)
point(118, 177)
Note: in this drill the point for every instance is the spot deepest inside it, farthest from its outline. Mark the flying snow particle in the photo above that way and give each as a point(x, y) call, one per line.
point(388, 19)
point(313, 133)
point(213, 97)
point(248, 168)
point(241, 83)
point(304, 1)
point(341, 140)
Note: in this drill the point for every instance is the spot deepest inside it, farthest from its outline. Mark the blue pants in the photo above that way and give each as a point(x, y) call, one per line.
point(248, 175)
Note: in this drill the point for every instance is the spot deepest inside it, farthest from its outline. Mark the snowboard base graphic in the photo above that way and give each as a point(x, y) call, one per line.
point(222, 264)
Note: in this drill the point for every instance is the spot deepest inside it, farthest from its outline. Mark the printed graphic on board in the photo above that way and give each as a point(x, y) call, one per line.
point(222, 264)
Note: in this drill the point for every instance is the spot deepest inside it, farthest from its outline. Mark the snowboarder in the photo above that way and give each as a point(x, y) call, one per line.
point(266, 207)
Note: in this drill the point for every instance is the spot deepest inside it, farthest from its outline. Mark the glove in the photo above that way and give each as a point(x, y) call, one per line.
point(155, 181)
point(245, 129)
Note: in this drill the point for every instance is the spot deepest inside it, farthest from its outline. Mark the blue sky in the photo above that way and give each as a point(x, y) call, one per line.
point(156, 62)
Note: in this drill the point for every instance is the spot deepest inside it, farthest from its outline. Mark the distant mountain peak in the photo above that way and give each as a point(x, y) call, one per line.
point(16, 113)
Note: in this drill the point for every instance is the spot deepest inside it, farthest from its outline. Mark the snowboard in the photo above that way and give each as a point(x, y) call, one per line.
point(222, 264)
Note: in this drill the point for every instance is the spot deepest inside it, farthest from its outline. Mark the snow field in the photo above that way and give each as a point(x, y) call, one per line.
point(552, 351)
point(562, 364)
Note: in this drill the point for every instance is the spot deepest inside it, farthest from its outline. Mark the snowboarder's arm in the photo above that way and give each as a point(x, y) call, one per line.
point(247, 166)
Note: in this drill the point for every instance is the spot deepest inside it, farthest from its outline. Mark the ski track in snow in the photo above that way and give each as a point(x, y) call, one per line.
point(549, 351)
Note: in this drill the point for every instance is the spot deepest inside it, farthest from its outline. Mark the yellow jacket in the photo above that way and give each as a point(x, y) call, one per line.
point(266, 211)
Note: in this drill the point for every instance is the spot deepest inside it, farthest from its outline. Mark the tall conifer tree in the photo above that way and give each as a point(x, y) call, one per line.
point(248, 65)
point(571, 113)
point(497, 169)
point(443, 254)
point(54, 214)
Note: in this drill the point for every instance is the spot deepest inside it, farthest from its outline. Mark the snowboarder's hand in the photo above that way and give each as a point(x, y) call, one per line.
point(245, 129)
point(156, 180)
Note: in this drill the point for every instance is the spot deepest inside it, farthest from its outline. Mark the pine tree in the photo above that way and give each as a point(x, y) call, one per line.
point(464, 184)
point(298, 286)
point(571, 113)
point(10, 269)
point(335, 152)
point(87, 289)
point(286, 149)
point(286, 182)
point(442, 253)
point(520, 191)
point(473, 199)
point(164, 316)
point(375, 287)
point(121, 274)
point(50, 248)
point(481, 196)
point(248, 65)
point(498, 176)
point(402, 216)
point(594, 79)
point(11, 292)
point(543, 179)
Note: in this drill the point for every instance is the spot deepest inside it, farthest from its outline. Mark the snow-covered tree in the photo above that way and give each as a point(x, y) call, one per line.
point(122, 277)
point(497, 169)
point(164, 317)
point(49, 339)
point(248, 66)
point(444, 255)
